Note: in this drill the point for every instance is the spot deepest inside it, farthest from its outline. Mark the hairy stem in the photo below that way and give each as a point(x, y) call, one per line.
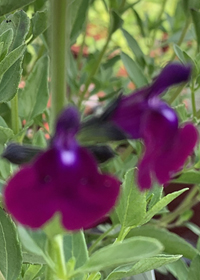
point(14, 114)
point(60, 29)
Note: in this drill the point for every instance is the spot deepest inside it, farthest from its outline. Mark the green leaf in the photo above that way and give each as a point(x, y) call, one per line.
point(75, 246)
point(161, 204)
point(116, 22)
point(173, 244)
point(179, 269)
point(10, 81)
point(10, 251)
point(11, 58)
point(33, 241)
point(19, 22)
point(194, 271)
point(141, 266)
point(129, 251)
point(39, 23)
point(188, 177)
point(156, 194)
point(79, 13)
point(30, 258)
point(132, 205)
point(5, 134)
point(31, 272)
point(6, 39)
point(135, 48)
point(7, 6)
point(196, 20)
point(134, 71)
point(33, 99)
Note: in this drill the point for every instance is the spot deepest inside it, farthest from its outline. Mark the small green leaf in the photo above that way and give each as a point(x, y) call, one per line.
point(188, 177)
point(75, 246)
point(116, 22)
point(5, 134)
point(134, 71)
point(132, 205)
point(11, 58)
point(142, 266)
point(79, 18)
point(33, 241)
point(135, 48)
point(161, 204)
point(6, 39)
point(173, 243)
point(10, 251)
point(7, 6)
point(19, 22)
point(33, 99)
point(129, 251)
point(10, 81)
point(39, 23)
point(31, 258)
point(196, 20)
point(31, 272)
point(179, 269)
point(194, 271)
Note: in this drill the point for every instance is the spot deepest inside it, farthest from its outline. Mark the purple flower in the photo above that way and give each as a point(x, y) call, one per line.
point(144, 115)
point(63, 179)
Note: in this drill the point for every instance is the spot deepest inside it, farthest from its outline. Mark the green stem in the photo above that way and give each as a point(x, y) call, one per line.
point(187, 203)
point(176, 93)
point(122, 5)
point(60, 29)
point(55, 251)
point(183, 33)
point(94, 70)
point(14, 114)
point(158, 20)
point(80, 54)
point(122, 234)
point(101, 237)
point(193, 99)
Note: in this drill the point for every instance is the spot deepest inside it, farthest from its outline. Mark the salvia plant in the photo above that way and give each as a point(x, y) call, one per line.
point(99, 141)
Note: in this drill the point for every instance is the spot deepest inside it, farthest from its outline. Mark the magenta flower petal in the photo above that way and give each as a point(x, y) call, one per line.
point(172, 74)
point(28, 200)
point(131, 109)
point(143, 115)
point(167, 164)
point(63, 179)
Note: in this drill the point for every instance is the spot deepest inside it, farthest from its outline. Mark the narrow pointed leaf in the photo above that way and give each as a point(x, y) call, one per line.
point(7, 6)
point(10, 251)
point(161, 204)
point(142, 266)
point(33, 99)
point(132, 206)
point(129, 251)
point(11, 58)
point(173, 243)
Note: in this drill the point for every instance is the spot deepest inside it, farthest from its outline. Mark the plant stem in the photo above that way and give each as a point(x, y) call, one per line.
point(101, 237)
point(193, 99)
point(14, 114)
point(80, 54)
point(94, 70)
point(158, 20)
point(183, 33)
point(55, 251)
point(59, 48)
point(187, 203)
point(176, 93)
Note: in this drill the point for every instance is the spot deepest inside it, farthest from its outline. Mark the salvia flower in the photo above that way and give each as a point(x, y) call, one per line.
point(143, 115)
point(65, 179)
